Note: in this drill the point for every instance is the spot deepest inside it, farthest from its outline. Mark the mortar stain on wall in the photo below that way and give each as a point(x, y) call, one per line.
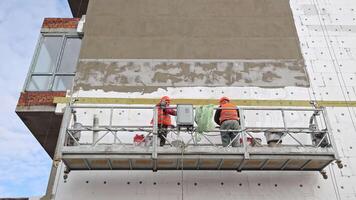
point(149, 75)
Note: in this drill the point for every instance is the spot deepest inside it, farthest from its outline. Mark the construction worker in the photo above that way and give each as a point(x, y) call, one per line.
point(228, 120)
point(164, 118)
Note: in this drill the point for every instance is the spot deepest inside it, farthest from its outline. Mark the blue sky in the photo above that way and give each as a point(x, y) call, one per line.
point(24, 165)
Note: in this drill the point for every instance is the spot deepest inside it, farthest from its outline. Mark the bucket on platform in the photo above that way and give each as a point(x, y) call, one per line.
point(252, 141)
point(139, 139)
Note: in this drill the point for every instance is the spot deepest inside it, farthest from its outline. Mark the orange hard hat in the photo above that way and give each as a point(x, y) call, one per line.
point(224, 99)
point(166, 98)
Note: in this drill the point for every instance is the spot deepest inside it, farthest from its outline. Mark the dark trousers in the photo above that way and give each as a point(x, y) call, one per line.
point(227, 137)
point(162, 134)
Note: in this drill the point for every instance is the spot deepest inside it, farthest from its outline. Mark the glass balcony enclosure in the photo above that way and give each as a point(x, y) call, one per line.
point(54, 63)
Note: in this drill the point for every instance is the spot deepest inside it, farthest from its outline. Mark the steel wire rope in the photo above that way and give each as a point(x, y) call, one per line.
point(335, 62)
point(332, 178)
point(183, 146)
point(313, 96)
point(45, 143)
point(57, 184)
point(71, 102)
point(326, 36)
point(334, 182)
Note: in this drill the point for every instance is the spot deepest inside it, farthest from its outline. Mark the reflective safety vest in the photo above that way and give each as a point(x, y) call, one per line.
point(228, 114)
point(163, 118)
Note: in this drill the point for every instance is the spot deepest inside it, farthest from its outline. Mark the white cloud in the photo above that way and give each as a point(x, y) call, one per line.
point(24, 165)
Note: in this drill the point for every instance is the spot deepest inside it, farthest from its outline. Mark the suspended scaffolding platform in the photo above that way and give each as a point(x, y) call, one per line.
point(197, 158)
point(106, 145)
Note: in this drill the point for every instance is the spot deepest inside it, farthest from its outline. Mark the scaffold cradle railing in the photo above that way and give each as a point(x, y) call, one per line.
point(110, 145)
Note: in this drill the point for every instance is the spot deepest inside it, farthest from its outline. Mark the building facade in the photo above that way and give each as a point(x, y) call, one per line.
point(93, 78)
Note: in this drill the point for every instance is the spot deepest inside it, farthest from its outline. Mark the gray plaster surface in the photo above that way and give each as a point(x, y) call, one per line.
point(190, 29)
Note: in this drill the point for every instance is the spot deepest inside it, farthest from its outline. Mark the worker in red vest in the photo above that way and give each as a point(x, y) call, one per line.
point(164, 118)
point(228, 119)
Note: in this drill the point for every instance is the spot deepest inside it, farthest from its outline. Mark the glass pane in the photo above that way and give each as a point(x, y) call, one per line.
point(70, 55)
point(39, 83)
point(62, 83)
point(47, 57)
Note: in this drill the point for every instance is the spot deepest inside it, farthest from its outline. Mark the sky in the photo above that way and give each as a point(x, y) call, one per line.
point(24, 164)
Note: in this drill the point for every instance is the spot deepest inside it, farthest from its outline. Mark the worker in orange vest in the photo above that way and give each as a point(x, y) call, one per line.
point(164, 118)
point(228, 119)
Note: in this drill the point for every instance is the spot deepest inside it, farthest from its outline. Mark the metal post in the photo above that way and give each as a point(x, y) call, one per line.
point(284, 120)
point(316, 121)
point(317, 125)
point(95, 126)
point(50, 193)
point(155, 139)
point(313, 127)
point(243, 132)
point(155, 133)
point(284, 127)
point(110, 124)
point(330, 133)
point(111, 114)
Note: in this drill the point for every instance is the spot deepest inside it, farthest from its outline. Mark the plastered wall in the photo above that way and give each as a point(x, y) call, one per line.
point(144, 45)
point(190, 29)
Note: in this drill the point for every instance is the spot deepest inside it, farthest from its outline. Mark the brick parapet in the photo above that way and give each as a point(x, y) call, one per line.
point(71, 23)
point(39, 98)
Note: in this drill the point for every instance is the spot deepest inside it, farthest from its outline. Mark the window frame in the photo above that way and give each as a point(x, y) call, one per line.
point(63, 39)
